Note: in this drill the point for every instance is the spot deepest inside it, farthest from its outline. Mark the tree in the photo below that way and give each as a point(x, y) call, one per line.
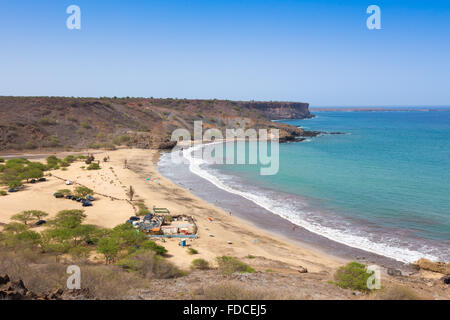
point(38, 214)
point(10, 176)
point(14, 227)
point(85, 232)
point(68, 219)
point(83, 192)
point(109, 247)
point(127, 236)
point(29, 236)
point(130, 193)
point(23, 217)
point(31, 173)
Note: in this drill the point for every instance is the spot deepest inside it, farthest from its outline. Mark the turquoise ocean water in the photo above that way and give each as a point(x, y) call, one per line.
point(383, 186)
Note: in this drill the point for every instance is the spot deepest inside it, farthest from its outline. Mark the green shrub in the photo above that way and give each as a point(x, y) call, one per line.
point(352, 276)
point(2, 160)
point(58, 195)
point(65, 192)
point(143, 210)
point(122, 139)
point(200, 264)
point(83, 192)
point(229, 265)
point(14, 183)
point(192, 251)
point(64, 164)
point(3, 193)
point(150, 265)
point(47, 122)
point(70, 159)
point(53, 141)
point(94, 166)
point(151, 245)
point(86, 125)
point(29, 145)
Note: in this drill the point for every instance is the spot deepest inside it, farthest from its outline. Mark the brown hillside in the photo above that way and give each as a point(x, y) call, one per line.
point(28, 123)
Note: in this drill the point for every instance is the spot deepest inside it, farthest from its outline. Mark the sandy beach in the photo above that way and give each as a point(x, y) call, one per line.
point(219, 233)
point(224, 235)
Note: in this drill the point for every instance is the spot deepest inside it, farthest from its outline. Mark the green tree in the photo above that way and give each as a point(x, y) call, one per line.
point(14, 227)
point(29, 236)
point(151, 245)
point(31, 173)
point(23, 217)
point(38, 214)
point(85, 232)
point(69, 219)
point(127, 237)
point(83, 192)
point(110, 248)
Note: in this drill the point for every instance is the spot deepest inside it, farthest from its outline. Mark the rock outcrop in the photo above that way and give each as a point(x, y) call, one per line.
point(16, 290)
point(440, 267)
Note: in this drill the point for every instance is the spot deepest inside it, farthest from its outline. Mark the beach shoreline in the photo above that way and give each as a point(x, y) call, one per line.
point(253, 214)
point(222, 235)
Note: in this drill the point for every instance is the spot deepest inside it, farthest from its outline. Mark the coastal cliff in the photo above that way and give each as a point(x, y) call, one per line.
point(282, 110)
point(29, 123)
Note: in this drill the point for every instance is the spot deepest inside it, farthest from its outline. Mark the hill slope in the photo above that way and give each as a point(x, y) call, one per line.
point(57, 122)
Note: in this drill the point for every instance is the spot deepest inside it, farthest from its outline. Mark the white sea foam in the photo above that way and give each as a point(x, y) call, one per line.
point(347, 236)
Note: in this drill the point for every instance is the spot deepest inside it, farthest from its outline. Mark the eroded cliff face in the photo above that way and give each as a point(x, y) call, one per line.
point(282, 110)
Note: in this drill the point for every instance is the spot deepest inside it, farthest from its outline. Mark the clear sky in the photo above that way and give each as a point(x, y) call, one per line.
point(318, 51)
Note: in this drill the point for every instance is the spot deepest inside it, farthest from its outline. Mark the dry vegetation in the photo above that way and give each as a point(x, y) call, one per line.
point(73, 123)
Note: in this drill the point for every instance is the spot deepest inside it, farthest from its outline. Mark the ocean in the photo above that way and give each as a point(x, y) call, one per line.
point(382, 187)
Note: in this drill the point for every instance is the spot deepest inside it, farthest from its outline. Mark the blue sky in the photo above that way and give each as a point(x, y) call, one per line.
point(314, 51)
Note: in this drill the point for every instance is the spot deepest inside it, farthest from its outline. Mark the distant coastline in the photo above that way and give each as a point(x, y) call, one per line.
point(378, 109)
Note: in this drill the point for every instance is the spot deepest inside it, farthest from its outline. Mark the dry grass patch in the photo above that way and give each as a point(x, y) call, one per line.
point(398, 292)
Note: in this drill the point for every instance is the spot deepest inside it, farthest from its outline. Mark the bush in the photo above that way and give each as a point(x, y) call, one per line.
point(352, 276)
point(65, 192)
point(94, 166)
point(229, 265)
point(192, 251)
point(151, 245)
point(3, 193)
point(398, 293)
point(29, 145)
point(143, 210)
point(83, 192)
point(149, 265)
point(70, 159)
point(238, 291)
point(47, 122)
point(200, 264)
point(14, 183)
point(2, 160)
point(86, 125)
point(122, 139)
